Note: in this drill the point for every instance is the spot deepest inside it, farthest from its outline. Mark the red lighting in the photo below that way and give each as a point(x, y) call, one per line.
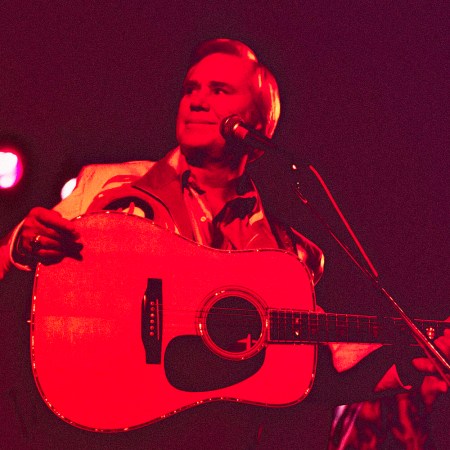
point(11, 167)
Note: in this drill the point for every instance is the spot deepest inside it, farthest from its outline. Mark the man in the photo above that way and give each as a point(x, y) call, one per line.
point(201, 190)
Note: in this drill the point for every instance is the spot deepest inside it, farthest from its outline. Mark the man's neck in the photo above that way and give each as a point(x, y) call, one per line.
point(216, 173)
point(219, 181)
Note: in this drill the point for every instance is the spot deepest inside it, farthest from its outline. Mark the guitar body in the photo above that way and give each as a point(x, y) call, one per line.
point(150, 323)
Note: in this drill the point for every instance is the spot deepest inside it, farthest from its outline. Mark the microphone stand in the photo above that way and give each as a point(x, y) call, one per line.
point(441, 365)
point(234, 129)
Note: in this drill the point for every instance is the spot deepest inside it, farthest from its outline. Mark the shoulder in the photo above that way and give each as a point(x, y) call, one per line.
point(96, 178)
point(107, 172)
point(107, 176)
point(309, 252)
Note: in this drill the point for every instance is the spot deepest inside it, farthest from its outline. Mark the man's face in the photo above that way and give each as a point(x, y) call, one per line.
point(216, 87)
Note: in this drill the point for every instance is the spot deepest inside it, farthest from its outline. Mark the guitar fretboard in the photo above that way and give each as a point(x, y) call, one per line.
point(287, 326)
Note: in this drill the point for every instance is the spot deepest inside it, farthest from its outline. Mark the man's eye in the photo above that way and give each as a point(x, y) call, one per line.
point(219, 91)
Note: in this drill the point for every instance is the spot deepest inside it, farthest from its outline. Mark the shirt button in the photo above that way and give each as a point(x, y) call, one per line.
point(203, 219)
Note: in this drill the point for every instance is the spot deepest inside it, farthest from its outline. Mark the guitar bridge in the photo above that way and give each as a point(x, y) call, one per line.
point(151, 321)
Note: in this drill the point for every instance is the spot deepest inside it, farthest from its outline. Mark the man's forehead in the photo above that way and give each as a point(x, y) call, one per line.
point(221, 67)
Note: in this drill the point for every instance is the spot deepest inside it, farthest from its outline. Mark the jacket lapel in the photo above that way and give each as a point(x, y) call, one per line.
point(163, 183)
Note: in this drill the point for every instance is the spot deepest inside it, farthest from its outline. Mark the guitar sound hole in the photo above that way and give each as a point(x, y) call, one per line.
point(234, 325)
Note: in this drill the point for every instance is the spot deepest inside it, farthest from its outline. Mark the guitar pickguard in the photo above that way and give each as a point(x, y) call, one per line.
point(191, 366)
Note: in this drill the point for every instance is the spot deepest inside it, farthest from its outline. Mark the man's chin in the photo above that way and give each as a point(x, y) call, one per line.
point(197, 155)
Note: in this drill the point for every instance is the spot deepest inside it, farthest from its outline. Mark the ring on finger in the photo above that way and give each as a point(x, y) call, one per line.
point(36, 243)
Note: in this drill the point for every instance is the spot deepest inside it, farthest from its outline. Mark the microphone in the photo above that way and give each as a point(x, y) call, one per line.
point(233, 128)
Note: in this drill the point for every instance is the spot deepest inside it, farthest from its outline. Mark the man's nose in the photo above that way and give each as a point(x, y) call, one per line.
point(200, 101)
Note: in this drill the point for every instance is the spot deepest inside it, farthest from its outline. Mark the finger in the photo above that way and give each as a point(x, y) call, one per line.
point(51, 238)
point(49, 219)
point(427, 367)
point(50, 250)
point(60, 244)
point(48, 256)
point(433, 385)
point(443, 343)
point(50, 229)
point(50, 241)
point(424, 365)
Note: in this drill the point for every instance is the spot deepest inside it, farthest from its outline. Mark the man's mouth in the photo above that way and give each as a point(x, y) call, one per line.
point(199, 121)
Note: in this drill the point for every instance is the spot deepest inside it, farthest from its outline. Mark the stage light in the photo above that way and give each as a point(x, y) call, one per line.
point(68, 187)
point(11, 167)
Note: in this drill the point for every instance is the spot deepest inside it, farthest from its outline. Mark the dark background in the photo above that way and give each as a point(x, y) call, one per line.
point(364, 98)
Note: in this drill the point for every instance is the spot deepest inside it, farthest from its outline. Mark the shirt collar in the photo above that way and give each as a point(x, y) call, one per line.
point(175, 167)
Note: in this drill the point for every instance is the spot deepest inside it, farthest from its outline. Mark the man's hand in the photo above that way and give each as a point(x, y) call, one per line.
point(46, 237)
point(433, 385)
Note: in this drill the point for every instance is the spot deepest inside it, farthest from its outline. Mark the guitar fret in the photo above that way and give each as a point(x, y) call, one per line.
point(341, 329)
point(352, 328)
point(305, 327)
point(364, 329)
point(283, 326)
point(280, 337)
point(331, 327)
point(274, 326)
point(374, 328)
point(313, 326)
point(288, 326)
point(296, 325)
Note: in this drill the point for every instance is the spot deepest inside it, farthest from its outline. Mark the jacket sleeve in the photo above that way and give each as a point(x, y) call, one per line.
point(5, 252)
point(69, 208)
point(91, 181)
point(96, 178)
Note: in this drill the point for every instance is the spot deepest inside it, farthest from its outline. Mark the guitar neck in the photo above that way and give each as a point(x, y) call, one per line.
point(290, 327)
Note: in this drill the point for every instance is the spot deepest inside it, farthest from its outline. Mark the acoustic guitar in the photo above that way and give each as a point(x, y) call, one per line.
point(149, 323)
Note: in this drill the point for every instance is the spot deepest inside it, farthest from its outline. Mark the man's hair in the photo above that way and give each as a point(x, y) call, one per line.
point(264, 85)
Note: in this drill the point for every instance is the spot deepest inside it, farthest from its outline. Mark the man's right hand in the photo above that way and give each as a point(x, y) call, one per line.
point(46, 237)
